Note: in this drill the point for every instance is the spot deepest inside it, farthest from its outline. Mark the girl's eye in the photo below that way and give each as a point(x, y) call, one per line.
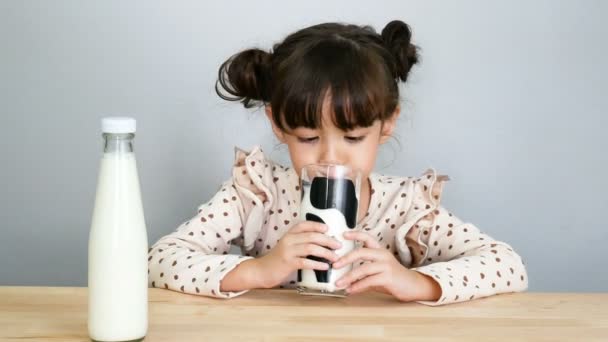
point(355, 139)
point(307, 140)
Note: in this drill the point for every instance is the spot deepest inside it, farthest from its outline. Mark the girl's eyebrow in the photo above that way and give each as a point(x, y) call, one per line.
point(305, 129)
point(299, 131)
point(358, 129)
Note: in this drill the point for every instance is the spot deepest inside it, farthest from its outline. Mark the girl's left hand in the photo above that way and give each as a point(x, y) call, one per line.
point(383, 273)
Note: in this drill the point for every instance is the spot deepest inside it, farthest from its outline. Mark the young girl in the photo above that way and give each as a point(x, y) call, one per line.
point(331, 95)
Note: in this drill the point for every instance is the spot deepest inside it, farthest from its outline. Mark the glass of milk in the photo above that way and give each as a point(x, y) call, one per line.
point(330, 195)
point(118, 243)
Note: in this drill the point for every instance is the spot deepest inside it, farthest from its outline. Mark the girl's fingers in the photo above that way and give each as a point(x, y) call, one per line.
point(317, 239)
point(359, 254)
point(308, 226)
point(304, 250)
point(359, 273)
point(368, 240)
point(308, 264)
point(376, 280)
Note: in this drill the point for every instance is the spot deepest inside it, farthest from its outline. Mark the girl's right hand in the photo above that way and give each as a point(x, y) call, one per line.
point(289, 255)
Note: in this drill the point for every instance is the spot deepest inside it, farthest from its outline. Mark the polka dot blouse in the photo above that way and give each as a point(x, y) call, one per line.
point(260, 202)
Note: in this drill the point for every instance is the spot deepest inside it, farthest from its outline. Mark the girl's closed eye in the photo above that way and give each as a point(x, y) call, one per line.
point(350, 139)
point(355, 139)
point(307, 140)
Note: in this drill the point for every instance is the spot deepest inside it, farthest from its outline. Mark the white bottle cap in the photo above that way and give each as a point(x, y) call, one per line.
point(118, 125)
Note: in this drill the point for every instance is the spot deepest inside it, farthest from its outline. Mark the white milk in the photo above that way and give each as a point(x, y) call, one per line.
point(336, 224)
point(118, 278)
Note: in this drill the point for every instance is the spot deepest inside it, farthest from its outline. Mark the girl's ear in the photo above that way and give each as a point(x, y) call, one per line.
point(277, 131)
point(388, 126)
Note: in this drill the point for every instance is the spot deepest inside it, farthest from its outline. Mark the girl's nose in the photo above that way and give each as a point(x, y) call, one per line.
point(330, 156)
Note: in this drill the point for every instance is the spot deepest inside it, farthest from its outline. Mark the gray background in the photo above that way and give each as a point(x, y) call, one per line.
point(510, 101)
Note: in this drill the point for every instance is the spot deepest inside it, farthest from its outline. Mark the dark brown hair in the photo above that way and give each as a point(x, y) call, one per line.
point(354, 67)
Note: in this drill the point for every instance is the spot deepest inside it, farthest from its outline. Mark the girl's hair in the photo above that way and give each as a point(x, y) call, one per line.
point(353, 67)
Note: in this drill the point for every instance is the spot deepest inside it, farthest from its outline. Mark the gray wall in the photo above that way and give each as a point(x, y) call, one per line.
point(510, 101)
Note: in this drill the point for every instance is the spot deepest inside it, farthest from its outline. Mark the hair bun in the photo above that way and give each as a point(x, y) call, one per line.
point(245, 77)
point(397, 36)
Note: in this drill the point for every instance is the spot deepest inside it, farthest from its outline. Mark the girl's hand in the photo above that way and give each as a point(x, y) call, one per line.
point(383, 273)
point(303, 239)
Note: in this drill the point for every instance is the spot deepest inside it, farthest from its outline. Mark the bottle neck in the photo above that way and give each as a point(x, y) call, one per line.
point(118, 142)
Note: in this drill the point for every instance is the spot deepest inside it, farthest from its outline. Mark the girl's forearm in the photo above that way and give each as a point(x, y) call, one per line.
point(243, 277)
point(429, 288)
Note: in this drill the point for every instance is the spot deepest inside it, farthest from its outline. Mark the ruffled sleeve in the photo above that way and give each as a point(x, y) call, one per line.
point(252, 175)
point(427, 190)
point(195, 258)
point(466, 263)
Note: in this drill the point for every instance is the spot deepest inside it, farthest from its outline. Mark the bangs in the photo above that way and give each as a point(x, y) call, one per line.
point(339, 77)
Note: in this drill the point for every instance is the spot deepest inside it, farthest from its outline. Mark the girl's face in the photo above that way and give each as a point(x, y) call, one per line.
point(330, 145)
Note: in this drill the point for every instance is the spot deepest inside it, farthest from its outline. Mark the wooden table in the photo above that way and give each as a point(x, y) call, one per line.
point(60, 314)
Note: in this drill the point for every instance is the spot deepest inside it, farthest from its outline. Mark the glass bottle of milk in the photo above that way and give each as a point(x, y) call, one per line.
point(118, 243)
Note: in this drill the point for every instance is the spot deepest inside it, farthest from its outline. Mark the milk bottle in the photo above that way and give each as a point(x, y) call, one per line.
point(118, 278)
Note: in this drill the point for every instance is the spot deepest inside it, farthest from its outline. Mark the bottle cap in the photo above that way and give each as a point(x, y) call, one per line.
point(118, 125)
